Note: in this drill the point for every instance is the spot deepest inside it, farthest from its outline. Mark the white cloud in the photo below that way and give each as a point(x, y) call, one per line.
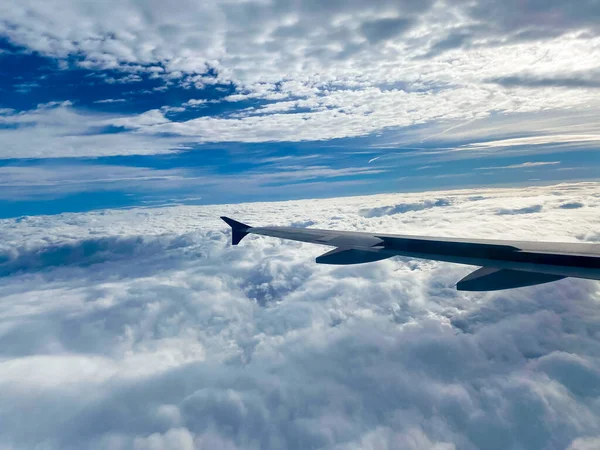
point(57, 130)
point(587, 443)
point(537, 140)
point(524, 165)
point(125, 328)
point(131, 78)
point(343, 113)
point(195, 102)
point(357, 69)
point(111, 100)
point(52, 181)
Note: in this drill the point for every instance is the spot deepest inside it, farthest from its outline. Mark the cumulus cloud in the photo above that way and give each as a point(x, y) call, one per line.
point(146, 329)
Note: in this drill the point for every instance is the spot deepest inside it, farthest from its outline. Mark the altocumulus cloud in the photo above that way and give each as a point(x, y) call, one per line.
point(312, 70)
point(144, 329)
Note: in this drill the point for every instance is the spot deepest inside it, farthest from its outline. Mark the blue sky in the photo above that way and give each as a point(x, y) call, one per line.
point(159, 107)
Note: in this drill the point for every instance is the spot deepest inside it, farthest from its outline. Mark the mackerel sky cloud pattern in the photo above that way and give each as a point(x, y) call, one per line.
point(212, 88)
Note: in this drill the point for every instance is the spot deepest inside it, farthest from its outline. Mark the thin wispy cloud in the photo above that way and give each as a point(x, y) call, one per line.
point(525, 165)
point(374, 159)
point(427, 167)
point(111, 100)
point(537, 140)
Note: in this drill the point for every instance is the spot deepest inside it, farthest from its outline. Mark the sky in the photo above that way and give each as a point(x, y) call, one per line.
point(127, 319)
point(144, 329)
point(128, 104)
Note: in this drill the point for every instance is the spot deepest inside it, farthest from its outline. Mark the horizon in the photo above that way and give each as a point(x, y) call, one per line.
point(401, 194)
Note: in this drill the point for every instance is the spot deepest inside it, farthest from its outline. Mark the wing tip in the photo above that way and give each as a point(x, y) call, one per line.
point(238, 229)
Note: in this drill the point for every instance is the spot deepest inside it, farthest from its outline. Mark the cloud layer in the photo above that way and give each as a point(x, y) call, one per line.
point(304, 71)
point(144, 329)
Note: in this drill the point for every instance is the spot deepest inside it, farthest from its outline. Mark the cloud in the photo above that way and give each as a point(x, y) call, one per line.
point(48, 181)
point(111, 100)
point(54, 180)
point(526, 210)
point(535, 140)
point(532, 20)
point(405, 207)
point(374, 159)
point(302, 173)
point(306, 35)
point(131, 78)
point(144, 328)
point(384, 29)
point(587, 443)
point(524, 165)
point(57, 130)
point(537, 82)
point(449, 42)
point(324, 70)
point(83, 253)
point(341, 114)
point(195, 103)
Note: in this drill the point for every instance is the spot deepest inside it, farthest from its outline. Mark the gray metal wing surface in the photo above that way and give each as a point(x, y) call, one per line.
point(504, 264)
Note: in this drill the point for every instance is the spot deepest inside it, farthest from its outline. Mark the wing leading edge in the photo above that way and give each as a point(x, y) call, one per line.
point(505, 264)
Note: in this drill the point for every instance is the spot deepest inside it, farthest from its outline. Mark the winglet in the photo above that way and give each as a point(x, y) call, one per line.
point(238, 230)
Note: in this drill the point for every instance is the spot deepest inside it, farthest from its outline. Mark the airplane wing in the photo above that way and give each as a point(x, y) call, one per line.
point(504, 264)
